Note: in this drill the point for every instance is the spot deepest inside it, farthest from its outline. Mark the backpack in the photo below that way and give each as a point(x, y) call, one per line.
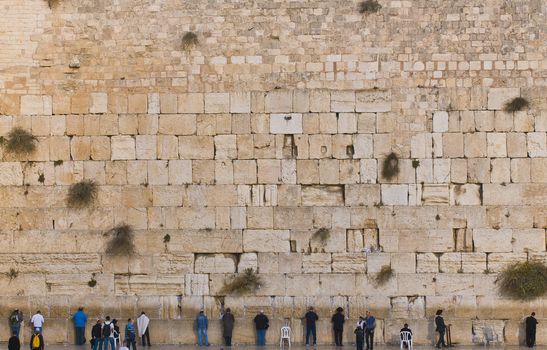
point(36, 342)
point(106, 330)
point(14, 318)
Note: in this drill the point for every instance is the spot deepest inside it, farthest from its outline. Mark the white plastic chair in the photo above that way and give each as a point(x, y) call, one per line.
point(285, 334)
point(490, 336)
point(406, 337)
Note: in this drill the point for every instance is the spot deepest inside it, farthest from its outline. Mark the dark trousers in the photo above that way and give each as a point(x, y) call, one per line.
point(530, 338)
point(369, 338)
point(147, 335)
point(80, 335)
point(338, 336)
point(228, 341)
point(359, 345)
point(441, 339)
point(311, 330)
point(131, 343)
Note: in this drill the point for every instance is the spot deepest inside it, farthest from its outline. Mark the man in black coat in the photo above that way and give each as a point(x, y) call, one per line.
point(261, 324)
point(14, 343)
point(441, 328)
point(338, 325)
point(531, 324)
point(311, 317)
point(96, 335)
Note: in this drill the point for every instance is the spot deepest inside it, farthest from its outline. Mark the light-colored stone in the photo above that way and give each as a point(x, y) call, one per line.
point(286, 123)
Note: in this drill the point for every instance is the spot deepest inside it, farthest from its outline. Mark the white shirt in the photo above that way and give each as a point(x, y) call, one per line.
point(37, 320)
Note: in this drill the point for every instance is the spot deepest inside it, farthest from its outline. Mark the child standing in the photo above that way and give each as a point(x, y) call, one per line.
point(359, 337)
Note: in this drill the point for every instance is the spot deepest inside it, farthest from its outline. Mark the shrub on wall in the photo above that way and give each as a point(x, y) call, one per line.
point(523, 280)
point(244, 283)
point(322, 235)
point(516, 104)
point(82, 194)
point(390, 167)
point(121, 241)
point(20, 141)
point(189, 40)
point(384, 275)
point(369, 6)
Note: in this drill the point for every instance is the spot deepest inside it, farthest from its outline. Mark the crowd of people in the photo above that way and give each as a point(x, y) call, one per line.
point(105, 334)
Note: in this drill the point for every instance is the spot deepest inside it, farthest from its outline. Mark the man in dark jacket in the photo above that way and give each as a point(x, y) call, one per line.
point(531, 324)
point(261, 323)
point(370, 326)
point(228, 321)
point(14, 343)
point(36, 344)
point(96, 335)
point(441, 328)
point(311, 317)
point(15, 320)
point(338, 325)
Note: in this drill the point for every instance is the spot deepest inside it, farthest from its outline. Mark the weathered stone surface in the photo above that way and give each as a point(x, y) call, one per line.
point(266, 241)
point(373, 101)
point(286, 123)
point(322, 195)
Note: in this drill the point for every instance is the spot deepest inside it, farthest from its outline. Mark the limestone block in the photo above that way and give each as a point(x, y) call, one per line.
point(329, 171)
point(320, 101)
point(503, 121)
point(498, 97)
point(247, 261)
point(478, 170)
point(316, 263)
point(342, 146)
point(433, 194)
point(491, 240)
point(475, 145)
point(361, 195)
point(349, 262)
point(320, 146)
point(168, 263)
point(468, 194)
point(501, 170)
point(453, 145)
point(525, 240)
point(343, 101)
point(293, 218)
point(523, 121)
point(440, 121)
point(368, 170)
point(225, 147)
point(416, 284)
point(12, 174)
point(286, 123)
point(217, 102)
point(266, 241)
point(328, 123)
point(259, 217)
point(154, 103)
point(196, 284)
point(496, 145)
point(123, 147)
point(215, 263)
point(302, 284)
point(158, 172)
point(373, 101)
point(334, 284)
point(168, 103)
point(196, 147)
point(36, 105)
point(427, 263)
point(363, 146)
point(98, 102)
point(245, 171)
point(279, 101)
point(394, 194)
point(403, 262)
point(240, 102)
point(537, 144)
point(207, 241)
point(484, 120)
point(375, 262)
point(538, 170)
point(59, 148)
point(176, 124)
point(137, 103)
point(450, 263)
point(146, 146)
point(322, 195)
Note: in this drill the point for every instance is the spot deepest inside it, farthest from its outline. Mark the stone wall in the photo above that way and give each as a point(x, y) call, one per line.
point(274, 126)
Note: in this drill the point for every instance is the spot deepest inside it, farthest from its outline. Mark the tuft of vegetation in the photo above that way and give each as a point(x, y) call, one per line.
point(58, 162)
point(523, 280)
point(384, 275)
point(244, 283)
point(12, 274)
point(322, 235)
point(121, 242)
point(41, 178)
point(369, 6)
point(167, 238)
point(415, 163)
point(92, 282)
point(390, 168)
point(189, 41)
point(516, 104)
point(82, 194)
point(20, 141)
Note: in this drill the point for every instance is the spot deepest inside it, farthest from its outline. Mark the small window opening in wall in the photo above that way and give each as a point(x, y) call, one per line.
point(350, 151)
point(293, 246)
point(323, 149)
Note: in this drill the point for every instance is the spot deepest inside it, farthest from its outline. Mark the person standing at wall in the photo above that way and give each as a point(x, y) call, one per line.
point(228, 321)
point(441, 328)
point(36, 341)
point(15, 320)
point(370, 326)
point(262, 323)
point(14, 343)
point(80, 320)
point(202, 324)
point(142, 324)
point(311, 318)
point(37, 321)
point(130, 335)
point(338, 320)
point(107, 334)
point(531, 325)
point(96, 336)
point(359, 337)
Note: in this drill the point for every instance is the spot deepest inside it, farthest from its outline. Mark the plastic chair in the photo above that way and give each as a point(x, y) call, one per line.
point(285, 334)
point(490, 336)
point(406, 338)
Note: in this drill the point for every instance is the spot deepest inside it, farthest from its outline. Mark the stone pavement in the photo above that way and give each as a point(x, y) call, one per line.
point(296, 347)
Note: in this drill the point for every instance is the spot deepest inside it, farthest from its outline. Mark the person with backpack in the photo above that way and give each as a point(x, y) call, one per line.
point(37, 321)
point(14, 343)
point(107, 334)
point(97, 335)
point(15, 320)
point(80, 320)
point(202, 323)
point(262, 323)
point(36, 341)
point(130, 335)
point(142, 324)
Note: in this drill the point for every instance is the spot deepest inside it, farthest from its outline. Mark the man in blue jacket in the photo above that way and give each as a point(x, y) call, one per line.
point(80, 320)
point(202, 324)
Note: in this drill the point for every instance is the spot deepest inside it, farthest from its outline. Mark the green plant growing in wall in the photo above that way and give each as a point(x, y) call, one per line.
point(189, 41)
point(92, 282)
point(516, 104)
point(247, 282)
point(121, 241)
point(390, 167)
point(523, 280)
point(20, 141)
point(82, 194)
point(321, 235)
point(384, 275)
point(12, 274)
point(369, 6)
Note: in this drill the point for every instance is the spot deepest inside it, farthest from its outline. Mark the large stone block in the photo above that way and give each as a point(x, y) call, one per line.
point(498, 97)
point(286, 123)
point(215, 263)
point(492, 240)
point(373, 101)
point(266, 241)
point(322, 195)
